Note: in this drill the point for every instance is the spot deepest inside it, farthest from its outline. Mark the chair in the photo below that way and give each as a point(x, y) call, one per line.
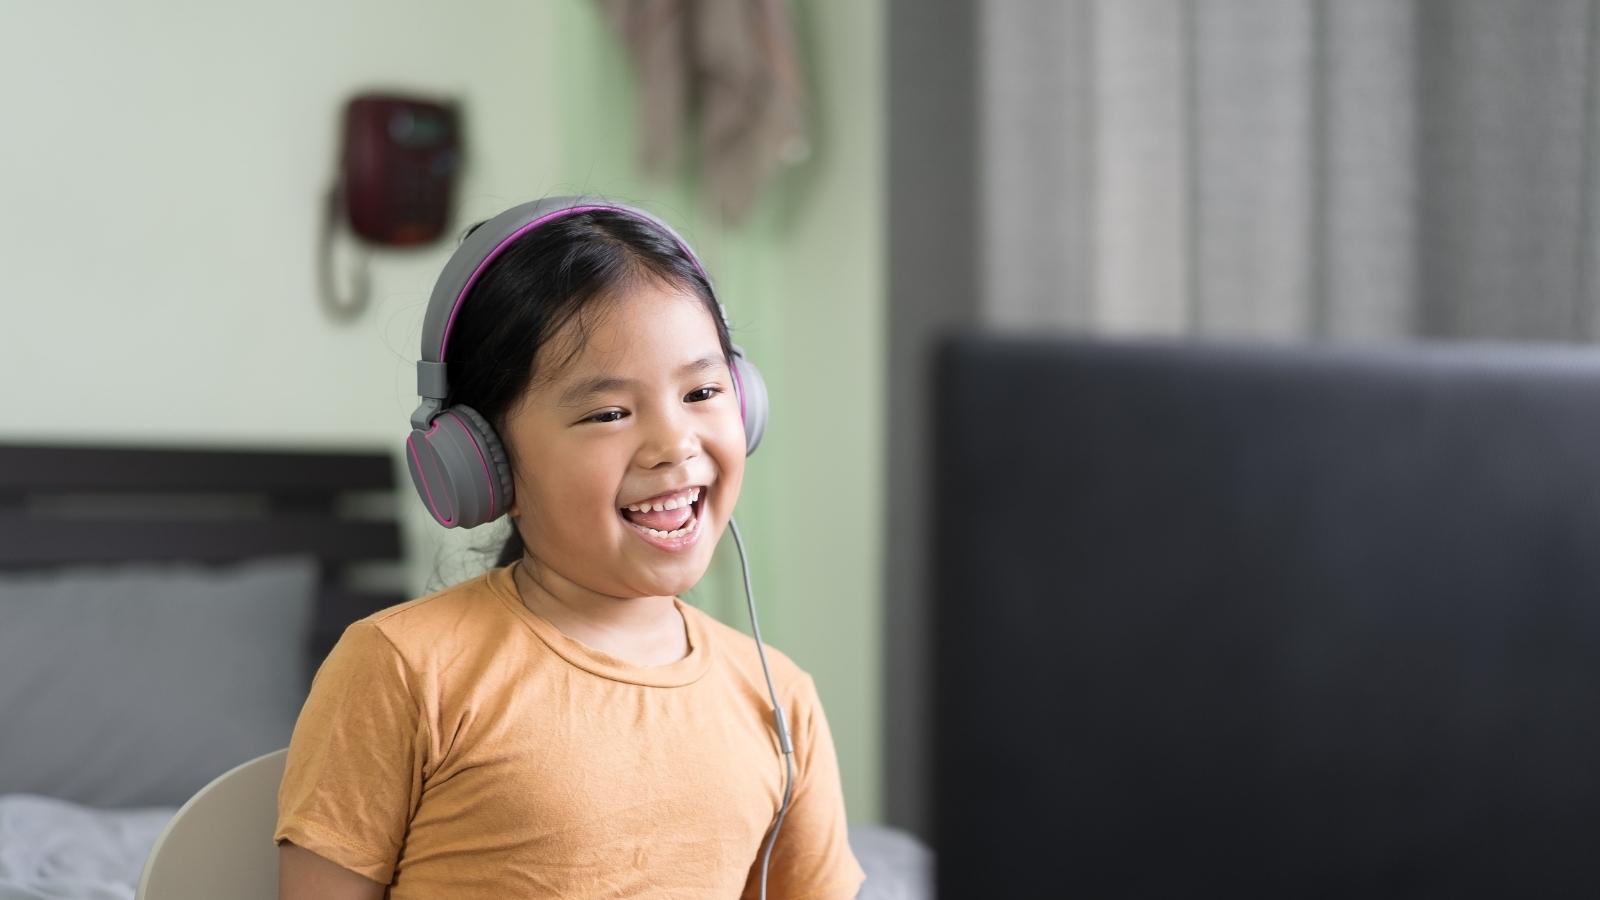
point(220, 843)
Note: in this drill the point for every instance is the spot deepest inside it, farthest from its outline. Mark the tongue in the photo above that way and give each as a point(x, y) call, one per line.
point(665, 520)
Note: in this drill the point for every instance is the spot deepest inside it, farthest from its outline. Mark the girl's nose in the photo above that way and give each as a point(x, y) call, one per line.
point(670, 441)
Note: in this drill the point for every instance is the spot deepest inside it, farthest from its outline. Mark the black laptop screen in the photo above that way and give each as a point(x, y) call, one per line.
point(1228, 621)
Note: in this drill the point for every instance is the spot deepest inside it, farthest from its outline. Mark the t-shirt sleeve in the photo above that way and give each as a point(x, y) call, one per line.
point(811, 859)
point(355, 766)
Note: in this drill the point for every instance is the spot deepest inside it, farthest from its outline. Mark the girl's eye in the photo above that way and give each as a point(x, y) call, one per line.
point(698, 395)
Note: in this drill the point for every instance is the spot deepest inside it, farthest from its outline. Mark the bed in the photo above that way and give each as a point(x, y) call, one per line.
point(162, 610)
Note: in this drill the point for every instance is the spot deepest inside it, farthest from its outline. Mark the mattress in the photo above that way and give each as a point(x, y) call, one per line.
point(51, 848)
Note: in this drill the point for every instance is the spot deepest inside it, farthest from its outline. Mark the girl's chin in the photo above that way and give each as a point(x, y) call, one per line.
point(667, 572)
point(652, 581)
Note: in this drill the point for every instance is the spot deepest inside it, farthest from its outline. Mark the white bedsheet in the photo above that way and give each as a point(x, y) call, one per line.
point(54, 849)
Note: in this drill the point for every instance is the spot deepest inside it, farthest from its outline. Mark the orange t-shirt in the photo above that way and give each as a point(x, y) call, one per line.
point(458, 745)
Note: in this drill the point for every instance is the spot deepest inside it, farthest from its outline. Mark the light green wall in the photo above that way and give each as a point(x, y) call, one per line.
point(803, 280)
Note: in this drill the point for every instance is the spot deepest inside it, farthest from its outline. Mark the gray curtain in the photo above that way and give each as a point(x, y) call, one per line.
point(1290, 168)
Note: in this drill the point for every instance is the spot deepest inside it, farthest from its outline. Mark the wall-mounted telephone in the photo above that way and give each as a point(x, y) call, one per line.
point(398, 162)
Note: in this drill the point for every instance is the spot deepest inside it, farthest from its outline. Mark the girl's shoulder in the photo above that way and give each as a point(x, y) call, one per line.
point(467, 612)
point(738, 651)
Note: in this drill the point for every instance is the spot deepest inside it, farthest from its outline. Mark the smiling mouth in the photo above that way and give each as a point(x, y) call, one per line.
point(667, 524)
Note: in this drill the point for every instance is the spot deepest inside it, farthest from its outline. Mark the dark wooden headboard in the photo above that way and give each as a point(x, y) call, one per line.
point(67, 504)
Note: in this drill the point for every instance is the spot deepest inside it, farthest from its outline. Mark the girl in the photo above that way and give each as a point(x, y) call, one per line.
point(563, 725)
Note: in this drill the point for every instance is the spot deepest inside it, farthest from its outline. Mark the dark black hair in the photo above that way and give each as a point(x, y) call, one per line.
point(545, 280)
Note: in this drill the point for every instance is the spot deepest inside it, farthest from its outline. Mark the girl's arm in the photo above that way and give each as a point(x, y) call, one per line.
point(353, 771)
point(303, 875)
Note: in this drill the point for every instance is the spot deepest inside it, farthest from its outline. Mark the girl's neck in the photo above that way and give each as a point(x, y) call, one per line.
point(645, 631)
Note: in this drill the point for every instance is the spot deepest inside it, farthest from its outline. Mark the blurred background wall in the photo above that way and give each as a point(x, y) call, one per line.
point(166, 163)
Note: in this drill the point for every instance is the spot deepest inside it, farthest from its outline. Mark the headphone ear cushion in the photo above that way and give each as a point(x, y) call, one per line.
point(752, 400)
point(495, 454)
point(460, 469)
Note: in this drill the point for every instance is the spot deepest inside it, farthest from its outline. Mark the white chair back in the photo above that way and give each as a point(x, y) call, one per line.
point(220, 843)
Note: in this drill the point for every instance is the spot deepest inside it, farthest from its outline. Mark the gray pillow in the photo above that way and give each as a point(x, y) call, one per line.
point(135, 685)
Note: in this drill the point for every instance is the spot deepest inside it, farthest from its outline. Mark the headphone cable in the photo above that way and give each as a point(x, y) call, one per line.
point(777, 711)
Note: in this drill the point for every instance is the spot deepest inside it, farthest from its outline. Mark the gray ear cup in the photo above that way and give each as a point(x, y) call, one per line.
point(460, 468)
point(495, 454)
point(752, 400)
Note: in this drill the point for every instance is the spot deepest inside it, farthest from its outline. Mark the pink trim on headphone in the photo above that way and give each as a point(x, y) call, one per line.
point(550, 217)
point(488, 478)
point(422, 475)
point(738, 386)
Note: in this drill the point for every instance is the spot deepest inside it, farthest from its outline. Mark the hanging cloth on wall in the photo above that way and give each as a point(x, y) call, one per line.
point(730, 68)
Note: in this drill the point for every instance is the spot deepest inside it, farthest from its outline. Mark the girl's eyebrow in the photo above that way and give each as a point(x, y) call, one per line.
point(582, 391)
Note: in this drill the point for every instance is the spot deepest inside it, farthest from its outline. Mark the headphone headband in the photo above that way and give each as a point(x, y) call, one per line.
point(481, 248)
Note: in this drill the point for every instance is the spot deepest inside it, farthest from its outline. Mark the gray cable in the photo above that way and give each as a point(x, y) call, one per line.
point(777, 711)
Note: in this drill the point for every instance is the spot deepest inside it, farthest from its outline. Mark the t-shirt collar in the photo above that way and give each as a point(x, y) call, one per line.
point(674, 674)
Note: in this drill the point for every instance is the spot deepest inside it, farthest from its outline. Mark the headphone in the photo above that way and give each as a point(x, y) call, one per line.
point(458, 464)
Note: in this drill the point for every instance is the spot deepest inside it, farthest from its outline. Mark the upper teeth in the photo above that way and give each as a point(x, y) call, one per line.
point(674, 502)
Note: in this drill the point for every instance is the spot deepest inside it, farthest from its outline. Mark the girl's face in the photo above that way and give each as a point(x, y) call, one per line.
point(646, 410)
